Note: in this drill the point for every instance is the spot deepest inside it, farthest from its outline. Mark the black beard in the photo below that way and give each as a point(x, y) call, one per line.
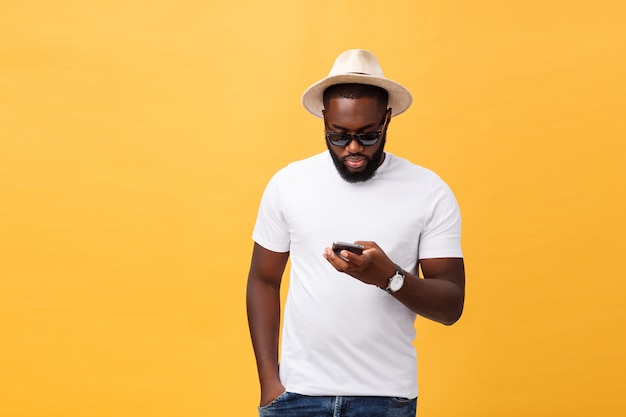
point(361, 176)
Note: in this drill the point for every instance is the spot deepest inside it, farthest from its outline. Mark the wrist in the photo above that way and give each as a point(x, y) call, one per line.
point(268, 375)
point(395, 281)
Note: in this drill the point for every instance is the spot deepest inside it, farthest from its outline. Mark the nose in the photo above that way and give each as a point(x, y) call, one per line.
point(354, 146)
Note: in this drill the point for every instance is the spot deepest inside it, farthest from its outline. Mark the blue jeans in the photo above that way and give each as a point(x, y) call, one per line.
point(290, 404)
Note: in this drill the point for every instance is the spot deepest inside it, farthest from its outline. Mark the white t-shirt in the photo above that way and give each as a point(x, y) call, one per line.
point(341, 336)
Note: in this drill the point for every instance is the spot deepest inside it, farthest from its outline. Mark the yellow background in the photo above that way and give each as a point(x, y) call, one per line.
point(136, 138)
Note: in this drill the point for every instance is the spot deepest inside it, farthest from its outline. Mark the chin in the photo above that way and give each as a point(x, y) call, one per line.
point(349, 175)
point(364, 173)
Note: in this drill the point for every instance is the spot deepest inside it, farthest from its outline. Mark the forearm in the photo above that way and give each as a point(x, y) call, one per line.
point(435, 299)
point(263, 304)
point(439, 296)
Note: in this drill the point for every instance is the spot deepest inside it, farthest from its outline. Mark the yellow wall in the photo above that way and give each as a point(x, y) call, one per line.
point(136, 138)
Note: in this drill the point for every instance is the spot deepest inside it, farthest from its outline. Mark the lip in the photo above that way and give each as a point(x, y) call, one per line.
point(355, 162)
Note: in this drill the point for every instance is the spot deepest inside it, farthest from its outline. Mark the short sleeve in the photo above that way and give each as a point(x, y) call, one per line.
point(271, 230)
point(441, 236)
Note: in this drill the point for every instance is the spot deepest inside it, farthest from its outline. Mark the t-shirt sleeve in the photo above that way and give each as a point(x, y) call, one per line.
point(441, 237)
point(271, 230)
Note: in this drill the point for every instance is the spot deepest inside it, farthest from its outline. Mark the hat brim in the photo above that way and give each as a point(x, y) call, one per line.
point(399, 97)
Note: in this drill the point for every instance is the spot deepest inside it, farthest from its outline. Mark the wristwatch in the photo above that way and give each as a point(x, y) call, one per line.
point(395, 282)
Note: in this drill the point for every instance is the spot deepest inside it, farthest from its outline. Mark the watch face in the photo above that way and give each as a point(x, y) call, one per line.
point(396, 282)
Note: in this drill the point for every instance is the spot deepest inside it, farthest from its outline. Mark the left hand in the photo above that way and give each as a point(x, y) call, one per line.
point(373, 266)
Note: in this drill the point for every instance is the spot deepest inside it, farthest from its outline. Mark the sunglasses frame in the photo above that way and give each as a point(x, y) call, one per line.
point(362, 138)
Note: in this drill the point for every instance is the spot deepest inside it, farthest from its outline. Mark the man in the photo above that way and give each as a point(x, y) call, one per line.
point(349, 318)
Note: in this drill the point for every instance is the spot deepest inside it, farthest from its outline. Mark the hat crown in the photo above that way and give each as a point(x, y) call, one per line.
point(356, 61)
point(357, 66)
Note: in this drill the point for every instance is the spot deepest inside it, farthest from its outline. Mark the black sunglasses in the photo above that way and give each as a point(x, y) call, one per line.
point(365, 139)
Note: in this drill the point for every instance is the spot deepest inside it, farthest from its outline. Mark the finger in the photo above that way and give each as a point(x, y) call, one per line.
point(334, 259)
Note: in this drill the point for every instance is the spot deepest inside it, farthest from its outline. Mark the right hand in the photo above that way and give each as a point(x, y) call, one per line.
point(270, 393)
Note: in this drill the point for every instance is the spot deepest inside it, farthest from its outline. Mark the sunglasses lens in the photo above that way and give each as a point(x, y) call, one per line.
point(342, 139)
point(368, 139)
point(338, 139)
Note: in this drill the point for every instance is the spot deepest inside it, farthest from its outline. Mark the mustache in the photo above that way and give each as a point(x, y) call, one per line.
point(352, 155)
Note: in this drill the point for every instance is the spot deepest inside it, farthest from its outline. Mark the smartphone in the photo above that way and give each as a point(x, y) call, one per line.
point(351, 247)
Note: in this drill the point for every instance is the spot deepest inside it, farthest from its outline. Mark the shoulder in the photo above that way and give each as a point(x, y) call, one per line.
point(313, 162)
point(417, 178)
point(396, 166)
point(304, 168)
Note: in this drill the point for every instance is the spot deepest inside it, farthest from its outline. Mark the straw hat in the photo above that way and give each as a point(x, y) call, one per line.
point(361, 67)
